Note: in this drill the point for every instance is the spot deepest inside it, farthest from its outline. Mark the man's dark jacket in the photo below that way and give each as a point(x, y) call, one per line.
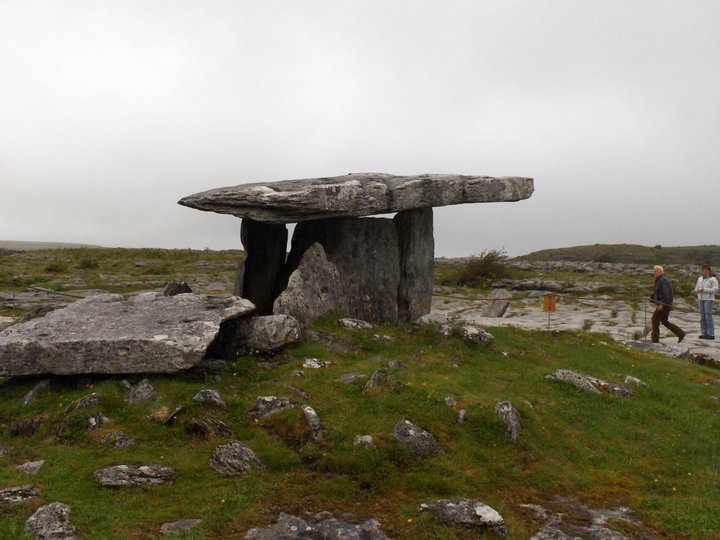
point(662, 292)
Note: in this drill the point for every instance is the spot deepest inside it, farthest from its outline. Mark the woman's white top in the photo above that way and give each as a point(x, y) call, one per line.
point(709, 286)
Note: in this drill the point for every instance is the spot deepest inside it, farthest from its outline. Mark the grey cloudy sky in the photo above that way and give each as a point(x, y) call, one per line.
point(112, 111)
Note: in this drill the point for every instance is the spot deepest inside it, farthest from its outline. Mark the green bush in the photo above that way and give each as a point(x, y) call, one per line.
point(481, 269)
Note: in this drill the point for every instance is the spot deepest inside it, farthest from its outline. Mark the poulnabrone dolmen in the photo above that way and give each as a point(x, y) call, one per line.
point(376, 269)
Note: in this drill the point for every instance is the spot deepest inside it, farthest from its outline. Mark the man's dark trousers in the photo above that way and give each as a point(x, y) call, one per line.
point(662, 317)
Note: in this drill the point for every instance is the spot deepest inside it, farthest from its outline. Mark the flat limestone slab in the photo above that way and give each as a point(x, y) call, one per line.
point(355, 195)
point(148, 333)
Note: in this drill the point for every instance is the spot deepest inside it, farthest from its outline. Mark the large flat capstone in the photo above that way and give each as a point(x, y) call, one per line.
point(355, 195)
point(147, 333)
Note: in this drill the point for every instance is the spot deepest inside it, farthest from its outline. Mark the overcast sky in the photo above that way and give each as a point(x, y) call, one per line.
point(111, 111)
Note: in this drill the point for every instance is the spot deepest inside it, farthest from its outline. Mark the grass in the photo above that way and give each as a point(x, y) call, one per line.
point(631, 253)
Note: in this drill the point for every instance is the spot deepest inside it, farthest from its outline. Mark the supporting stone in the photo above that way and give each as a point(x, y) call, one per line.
point(417, 251)
point(265, 247)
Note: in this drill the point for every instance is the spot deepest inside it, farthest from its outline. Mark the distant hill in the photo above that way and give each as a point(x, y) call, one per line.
point(630, 253)
point(29, 246)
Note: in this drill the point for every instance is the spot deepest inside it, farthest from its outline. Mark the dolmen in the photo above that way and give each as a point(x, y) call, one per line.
point(340, 260)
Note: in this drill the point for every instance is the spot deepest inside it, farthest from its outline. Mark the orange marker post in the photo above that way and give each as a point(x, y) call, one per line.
point(549, 303)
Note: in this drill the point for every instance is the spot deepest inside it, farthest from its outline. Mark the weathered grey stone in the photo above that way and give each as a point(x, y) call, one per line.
point(416, 439)
point(360, 194)
point(267, 405)
point(475, 335)
point(210, 397)
point(97, 421)
point(290, 527)
point(234, 458)
point(26, 426)
point(354, 324)
point(85, 402)
point(256, 335)
point(42, 385)
point(363, 441)
point(208, 427)
point(17, 495)
point(179, 526)
point(589, 383)
point(505, 411)
point(313, 289)
point(265, 248)
point(52, 522)
point(118, 439)
point(313, 421)
point(396, 364)
point(138, 393)
point(496, 308)
point(31, 467)
point(148, 332)
point(416, 250)
point(366, 254)
point(314, 363)
point(351, 378)
point(467, 513)
point(131, 475)
point(173, 288)
point(376, 381)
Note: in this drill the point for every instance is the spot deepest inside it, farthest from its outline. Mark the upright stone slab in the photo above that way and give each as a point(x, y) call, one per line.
point(366, 254)
point(416, 250)
point(265, 247)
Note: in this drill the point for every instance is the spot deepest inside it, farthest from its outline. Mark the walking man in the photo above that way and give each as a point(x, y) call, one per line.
point(706, 287)
point(662, 296)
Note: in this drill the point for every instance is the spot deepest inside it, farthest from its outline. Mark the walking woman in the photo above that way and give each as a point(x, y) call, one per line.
point(706, 287)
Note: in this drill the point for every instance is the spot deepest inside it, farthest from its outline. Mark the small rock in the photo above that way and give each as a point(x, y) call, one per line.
point(505, 411)
point(267, 405)
point(170, 418)
point(313, 421)
point(234, 458)
point(396, 364)
point(351, 378)
point(314, 363)
point(467, 513)
point(383, 338)
point(31, 467)
point(475, 335)
point(118, 439)
point(355, 324)
point(173, 288)
point(295, 390)
point(142, 391)
point(4, 450)
point(451, 402)
point(210, 397)
point(130, 475)
point(208, 427)
point(86, 402)
point(96, 421)
point(363, 440)
point(589, 383)
point(416, 439)
point(25, 427)
point(461, 416)
point(295, 528)
point(52, 522)
point(376, 381)
point(17, 495)
point(42, 385)
point(629, 379)
point(176, 527)
point(298, 373)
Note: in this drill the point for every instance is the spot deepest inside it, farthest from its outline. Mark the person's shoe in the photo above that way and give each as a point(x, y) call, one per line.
point(703, 336)
point(709, 337)
point(681, 337)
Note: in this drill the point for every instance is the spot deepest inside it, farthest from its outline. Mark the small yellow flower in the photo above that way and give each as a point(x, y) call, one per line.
point(409, 520)
point(222, 501)
point(674, 488)
point(256, 420)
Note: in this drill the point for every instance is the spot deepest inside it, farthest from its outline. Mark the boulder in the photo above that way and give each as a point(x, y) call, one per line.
point(416, 252)
point(589, 383)
point(105, 333)
point(52, 522)
point(255, 335)
point(292, 528)
point(416, 439)
point(466, 513)
point(234, 458)
point(359, 194)
point(505, 411)
point(130, 475)
point(313, 289)
point(210, 397)
point(17, 495)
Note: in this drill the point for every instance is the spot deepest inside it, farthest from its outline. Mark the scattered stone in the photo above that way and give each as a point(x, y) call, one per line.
point(416, 439)
point(363, 441)
point(131, 475)
point(31, 467)
point(52, 522)
point(354, 324)
point(267, 365)
point(313, 421)
point(148, 333)
point(208, 427)
point(17, 495)
point(142, 391)
point(267, 405)
point(496, 308)
point(42, 385)
point(174, 288)
point(292, 528)
point(118, 439)
point(589, 383)
point(376, 381)
point(451, 402)
point(97, 421)
point(395, 364)
point(466, 513)
point(383, 338)
point(505, 411)
point(170, 418)
point(210, 397)
point(25, 427)
point(234, 458)
point(314, 363)
point(298, 373)
point(295, 390)
point(176, 527)
point(85, 402)
point(475, 335)
point(4, 450)
point(334, 343)
point(461, 416)
point(351, 378)
point(629, 379)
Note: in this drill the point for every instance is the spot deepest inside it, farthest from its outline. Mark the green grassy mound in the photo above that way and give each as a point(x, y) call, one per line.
point(656, 452)
point(631, 254)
